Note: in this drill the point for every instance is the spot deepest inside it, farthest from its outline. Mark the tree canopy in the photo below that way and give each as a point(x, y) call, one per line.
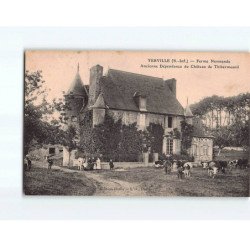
point(226, 118)
point(38, 129)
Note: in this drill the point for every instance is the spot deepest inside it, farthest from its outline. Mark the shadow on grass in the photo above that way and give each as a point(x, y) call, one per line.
point(40, 181)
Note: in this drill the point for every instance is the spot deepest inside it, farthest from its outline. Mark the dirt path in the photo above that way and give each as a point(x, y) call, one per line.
point(112, 187)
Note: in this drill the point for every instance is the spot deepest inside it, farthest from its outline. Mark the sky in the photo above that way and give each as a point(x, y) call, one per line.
point(193, 82)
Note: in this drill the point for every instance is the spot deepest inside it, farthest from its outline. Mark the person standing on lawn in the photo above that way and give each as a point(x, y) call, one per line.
point(50, 162)
point(93, 163)
point(85, 163)
point(180, 170)
point(167, 166)
point(111, 164)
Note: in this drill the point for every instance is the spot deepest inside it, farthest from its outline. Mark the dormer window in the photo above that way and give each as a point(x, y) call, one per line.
point(141, 101)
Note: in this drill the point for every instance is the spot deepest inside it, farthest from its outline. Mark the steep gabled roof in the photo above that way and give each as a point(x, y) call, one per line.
point(188, 112)
point(77, 87)
point(99, 103)
point(119, 87)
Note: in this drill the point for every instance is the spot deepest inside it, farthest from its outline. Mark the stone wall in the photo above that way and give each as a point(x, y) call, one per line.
point(202, 149)
point(154, 118)
point(68, 157)
point(98, 116)
point(129, 117)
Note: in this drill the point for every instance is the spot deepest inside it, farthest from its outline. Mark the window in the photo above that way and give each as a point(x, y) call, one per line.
point(142, 121)
point(169, 146)
point(170, 122)
point(205, 150)
point(142, 103)
point(52, 150)
point(201, 151)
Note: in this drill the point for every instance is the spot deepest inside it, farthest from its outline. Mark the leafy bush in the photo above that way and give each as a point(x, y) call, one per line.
point(155, 133)
point(186, 136)
point(111, 140)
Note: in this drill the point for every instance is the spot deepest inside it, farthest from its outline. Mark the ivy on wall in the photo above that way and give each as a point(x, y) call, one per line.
point(186, 136)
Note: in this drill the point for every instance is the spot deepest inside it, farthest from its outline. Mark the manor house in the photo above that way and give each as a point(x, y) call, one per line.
point(140, 99)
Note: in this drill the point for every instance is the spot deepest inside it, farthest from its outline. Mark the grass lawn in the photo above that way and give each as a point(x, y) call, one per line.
point(153, 182)
point(40, 181)
point(156, 183)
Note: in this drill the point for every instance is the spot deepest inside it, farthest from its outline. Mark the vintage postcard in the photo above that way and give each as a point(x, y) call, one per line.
point(136, 123)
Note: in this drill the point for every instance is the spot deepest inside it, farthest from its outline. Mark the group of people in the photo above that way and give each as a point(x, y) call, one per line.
point(91, 163)
point(81, 163)
point(87, 163)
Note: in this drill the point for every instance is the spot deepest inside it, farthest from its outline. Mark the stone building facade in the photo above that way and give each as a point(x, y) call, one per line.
point(134, 98)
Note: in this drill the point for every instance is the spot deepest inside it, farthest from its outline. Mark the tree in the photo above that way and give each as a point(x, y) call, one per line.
point(37, 128)
point(70, 140)
point(226, 118)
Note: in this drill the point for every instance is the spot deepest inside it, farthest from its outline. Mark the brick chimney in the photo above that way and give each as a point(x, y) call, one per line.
point(96, 72)
point(172, 85)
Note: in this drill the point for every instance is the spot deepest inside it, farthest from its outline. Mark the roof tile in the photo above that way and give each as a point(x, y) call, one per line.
point(119, 87)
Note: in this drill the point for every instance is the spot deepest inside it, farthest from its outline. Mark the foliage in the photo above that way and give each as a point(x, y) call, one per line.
point(237, 105)
point(37, 128)
point(106, 137)
point(64, 105)
point(111, 139)
point(145, 140)
point(86, 132)
point(176, 133)
point(236, 135)
point(130, 143)
point(186, 136)
point(71, 134)
point(225, 118)
point(156, 133)
point(70, 138)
